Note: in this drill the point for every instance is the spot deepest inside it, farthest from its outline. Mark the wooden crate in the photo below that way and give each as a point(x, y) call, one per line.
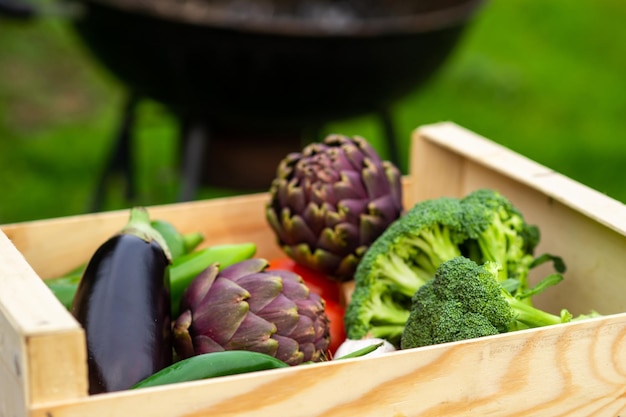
point(575, 369)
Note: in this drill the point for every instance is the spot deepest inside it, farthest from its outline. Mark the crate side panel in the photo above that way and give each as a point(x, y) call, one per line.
point(13, 388)
point(53, 247)
point(227, 220)
point(595, 256)
point(504, 162)
point(576, 369)
point(28, 305)
point(58, 366)
point(434, 171)
point(469, 145)
point(12, 399)
point(29, 311)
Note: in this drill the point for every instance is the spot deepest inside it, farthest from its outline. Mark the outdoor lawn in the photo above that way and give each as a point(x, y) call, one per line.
point(544, 78)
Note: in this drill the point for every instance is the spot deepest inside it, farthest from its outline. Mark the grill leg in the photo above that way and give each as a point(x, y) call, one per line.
point(390, 135)
point(195, 137)
point(120, 160)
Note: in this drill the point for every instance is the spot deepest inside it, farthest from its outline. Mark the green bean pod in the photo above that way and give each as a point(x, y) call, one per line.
point(211, 365)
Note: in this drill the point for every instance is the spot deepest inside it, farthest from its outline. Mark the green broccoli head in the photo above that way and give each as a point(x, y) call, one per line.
point(434, 320)
point(474, 288)
point(466, 300)
point(483, 226)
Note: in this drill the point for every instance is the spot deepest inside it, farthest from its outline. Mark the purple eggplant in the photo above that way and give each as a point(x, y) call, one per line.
point(123, 304)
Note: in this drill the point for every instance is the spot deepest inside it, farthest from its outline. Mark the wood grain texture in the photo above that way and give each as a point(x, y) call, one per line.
point(503, 162)
point(13, 388)
point(571, 370)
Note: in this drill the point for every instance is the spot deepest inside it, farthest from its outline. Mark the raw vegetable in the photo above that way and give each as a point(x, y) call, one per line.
point(64, 287)
point(228, 362)
point(123, 304)
point(364, 350)
point(466, 300)
point(329, 202)
point(178, 243)
point(212, 365)
point(335, 313)
point(483, 226)
point(351, 347)
point(246, 307)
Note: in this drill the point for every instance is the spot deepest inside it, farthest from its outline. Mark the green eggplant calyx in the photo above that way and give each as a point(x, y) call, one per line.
point(139, 225)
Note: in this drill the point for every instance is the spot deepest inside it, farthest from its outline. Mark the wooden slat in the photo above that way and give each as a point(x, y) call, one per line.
point(434, 171)
point(574, 370)
point(501, 160)
point(28, 313)
point(57, 364)
point(13, 388)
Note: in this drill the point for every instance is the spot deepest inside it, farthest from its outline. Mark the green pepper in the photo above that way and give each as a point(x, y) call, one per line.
point(211, 365)
point(64, 291)
point(64, 287)
point(179, 244)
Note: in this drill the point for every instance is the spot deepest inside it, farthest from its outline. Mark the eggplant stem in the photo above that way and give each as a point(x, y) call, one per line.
point(139, 225)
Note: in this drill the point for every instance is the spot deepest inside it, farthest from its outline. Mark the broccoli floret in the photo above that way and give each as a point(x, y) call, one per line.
point(465, 300)
point(483, 226)
point(501, 234)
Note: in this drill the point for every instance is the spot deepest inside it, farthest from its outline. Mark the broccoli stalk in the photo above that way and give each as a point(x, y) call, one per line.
point(400, 276)
point(384, 317)
point(435, 246)
point(530, 316)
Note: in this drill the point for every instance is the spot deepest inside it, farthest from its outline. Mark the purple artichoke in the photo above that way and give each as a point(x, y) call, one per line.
point(245, 307)
point(331, 201)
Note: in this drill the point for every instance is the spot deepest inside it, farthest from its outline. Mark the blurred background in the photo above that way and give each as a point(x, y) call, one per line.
point(545, 79)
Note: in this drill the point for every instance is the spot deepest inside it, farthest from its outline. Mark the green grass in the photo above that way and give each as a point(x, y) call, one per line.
point(543, 78)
